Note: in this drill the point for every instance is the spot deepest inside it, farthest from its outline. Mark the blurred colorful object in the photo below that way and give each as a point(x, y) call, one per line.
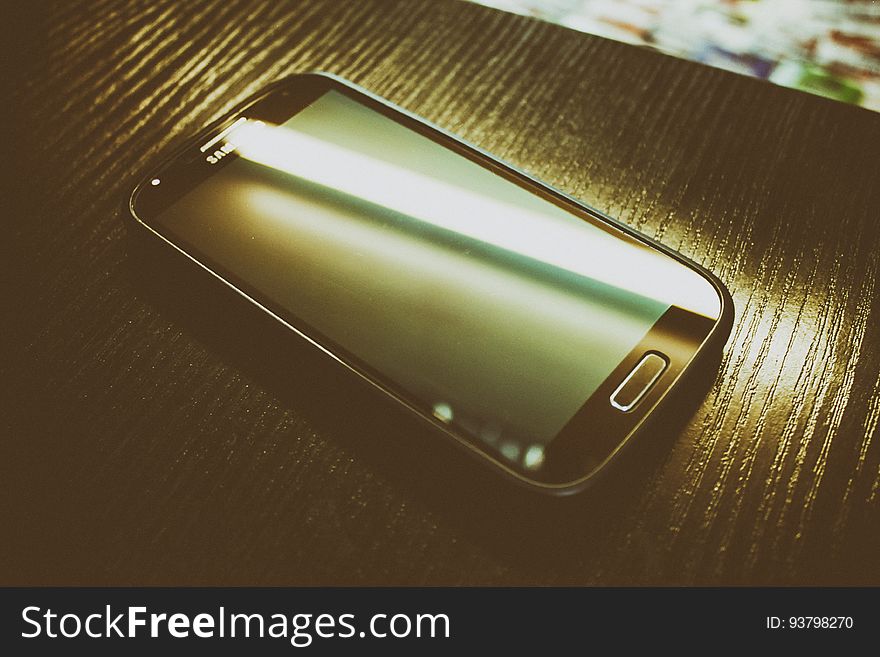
point(825, 47)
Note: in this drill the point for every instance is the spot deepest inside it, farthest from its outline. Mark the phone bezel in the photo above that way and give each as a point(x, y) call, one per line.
point(597, 432)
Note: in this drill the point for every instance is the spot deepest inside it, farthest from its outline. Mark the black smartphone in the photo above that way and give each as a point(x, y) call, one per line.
point(529, 328)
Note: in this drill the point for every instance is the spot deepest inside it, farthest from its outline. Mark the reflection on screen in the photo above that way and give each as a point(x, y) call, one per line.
point(488, 307)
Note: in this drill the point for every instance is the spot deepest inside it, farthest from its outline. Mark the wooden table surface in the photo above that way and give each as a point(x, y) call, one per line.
point(154, 433)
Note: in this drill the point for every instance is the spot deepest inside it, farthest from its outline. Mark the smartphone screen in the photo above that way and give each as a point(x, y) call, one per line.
point(472, 298)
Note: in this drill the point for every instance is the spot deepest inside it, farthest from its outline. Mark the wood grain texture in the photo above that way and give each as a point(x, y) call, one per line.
point(154, 435)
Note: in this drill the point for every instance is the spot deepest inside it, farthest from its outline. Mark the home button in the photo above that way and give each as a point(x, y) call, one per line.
point(637, 383)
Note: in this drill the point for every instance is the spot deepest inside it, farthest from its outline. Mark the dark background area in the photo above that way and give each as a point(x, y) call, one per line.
point(157, 431)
